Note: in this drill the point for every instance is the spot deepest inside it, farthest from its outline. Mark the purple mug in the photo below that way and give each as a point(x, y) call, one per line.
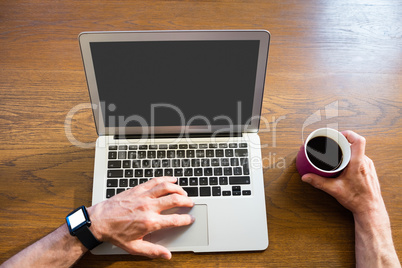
point(304, 164)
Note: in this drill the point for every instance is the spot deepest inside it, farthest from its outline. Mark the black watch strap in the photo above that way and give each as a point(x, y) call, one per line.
point(87, 238)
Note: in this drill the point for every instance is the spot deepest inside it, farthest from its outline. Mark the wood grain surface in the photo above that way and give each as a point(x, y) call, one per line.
point(331, 63)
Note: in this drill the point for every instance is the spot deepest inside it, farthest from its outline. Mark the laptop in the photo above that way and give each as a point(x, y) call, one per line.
point(184, 104)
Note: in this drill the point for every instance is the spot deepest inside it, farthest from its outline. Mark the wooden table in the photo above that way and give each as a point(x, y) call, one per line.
point(340, 60)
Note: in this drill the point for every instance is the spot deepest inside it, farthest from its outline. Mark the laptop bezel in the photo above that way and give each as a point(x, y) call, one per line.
point(86, 38)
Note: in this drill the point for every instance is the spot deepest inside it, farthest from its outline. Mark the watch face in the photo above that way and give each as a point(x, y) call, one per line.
point(76, 219)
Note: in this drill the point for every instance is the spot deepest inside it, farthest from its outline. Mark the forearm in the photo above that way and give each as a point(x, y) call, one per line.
point(57, 249)
point(373, 240)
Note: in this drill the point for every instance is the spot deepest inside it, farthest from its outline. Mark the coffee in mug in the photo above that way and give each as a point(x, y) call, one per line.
point(326, 152)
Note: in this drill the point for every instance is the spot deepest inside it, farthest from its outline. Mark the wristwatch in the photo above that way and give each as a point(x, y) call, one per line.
point(78, 223)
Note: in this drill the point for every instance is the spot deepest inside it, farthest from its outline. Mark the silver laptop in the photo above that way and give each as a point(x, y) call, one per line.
point(184, 104)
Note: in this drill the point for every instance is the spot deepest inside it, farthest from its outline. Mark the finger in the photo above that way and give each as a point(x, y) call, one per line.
point(324, 184)
point(174, 200)
point(358, 144)
point(148, 249)
point(158, 180)
point(175, 220)
point(165, 188)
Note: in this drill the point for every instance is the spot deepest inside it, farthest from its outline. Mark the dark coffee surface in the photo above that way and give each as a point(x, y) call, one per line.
point(324, 153)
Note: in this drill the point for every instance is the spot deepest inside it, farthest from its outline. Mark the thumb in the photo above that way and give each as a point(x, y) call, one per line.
point(318, 182)
point(148, 249)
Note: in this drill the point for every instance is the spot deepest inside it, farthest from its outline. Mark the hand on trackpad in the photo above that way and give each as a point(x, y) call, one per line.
point(195, 234)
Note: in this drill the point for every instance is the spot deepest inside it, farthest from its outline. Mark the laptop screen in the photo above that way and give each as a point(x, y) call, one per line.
point(171, 83)
point(175, 82)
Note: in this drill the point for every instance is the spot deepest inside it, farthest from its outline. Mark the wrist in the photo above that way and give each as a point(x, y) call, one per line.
point(96, 227)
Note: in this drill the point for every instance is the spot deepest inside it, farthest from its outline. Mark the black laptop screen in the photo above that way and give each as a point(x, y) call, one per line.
point(171, 83)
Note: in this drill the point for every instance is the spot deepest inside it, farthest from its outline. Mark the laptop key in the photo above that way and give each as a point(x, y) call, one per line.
point(122, 155)
point(237, 171)
point(208, 171)
point(215, 162)
point(110, 193)
point(226, 193)
point(165, 163)
point(142, 154)
point(143, 180)
point(188, 172)
point(120, 190)
point(112, 183)
point(219, 153)
point(213, 181)
point(200, 153)
point(195, 162)
point(163, 146)
point(181, 153)
point(114, 164)
point(246, 192)
point(156, 163)
point(191, 191)
point(193, 181)
point(171, 154)
point(205, 162)
point(205, 191)
point(216, 191)
point(217, 171)
point(161, 154)
point(112, 147)
point(128, 173)
point(203, 181)
point(225, 162)
point(133, 182)
point(234, 161)
point(168, 172)
point(118, 173)
point(112, 155)
point(126, 164)
point(158, 172)
point(183, 181)
point(227, 171)
point(198, 172)
point(239, 180)
point(178, 172)
point(146, 163)
point(185, 163)
point(229, 153)
point(241, 152)
point(151, 154)
point(132, 154)
point(149, 173)
point(232, 145)
point(123, 183)
point(223, 180)
point(190, 153)
point(139, 173)
point(210, 153)
point(136, 163)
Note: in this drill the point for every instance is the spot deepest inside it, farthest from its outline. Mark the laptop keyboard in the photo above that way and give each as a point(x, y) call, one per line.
point(214, 169)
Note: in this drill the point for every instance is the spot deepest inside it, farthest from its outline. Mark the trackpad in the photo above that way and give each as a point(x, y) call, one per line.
point(195, 234)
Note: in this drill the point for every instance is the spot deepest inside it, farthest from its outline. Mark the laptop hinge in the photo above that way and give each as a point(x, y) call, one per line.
point(174, 136)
